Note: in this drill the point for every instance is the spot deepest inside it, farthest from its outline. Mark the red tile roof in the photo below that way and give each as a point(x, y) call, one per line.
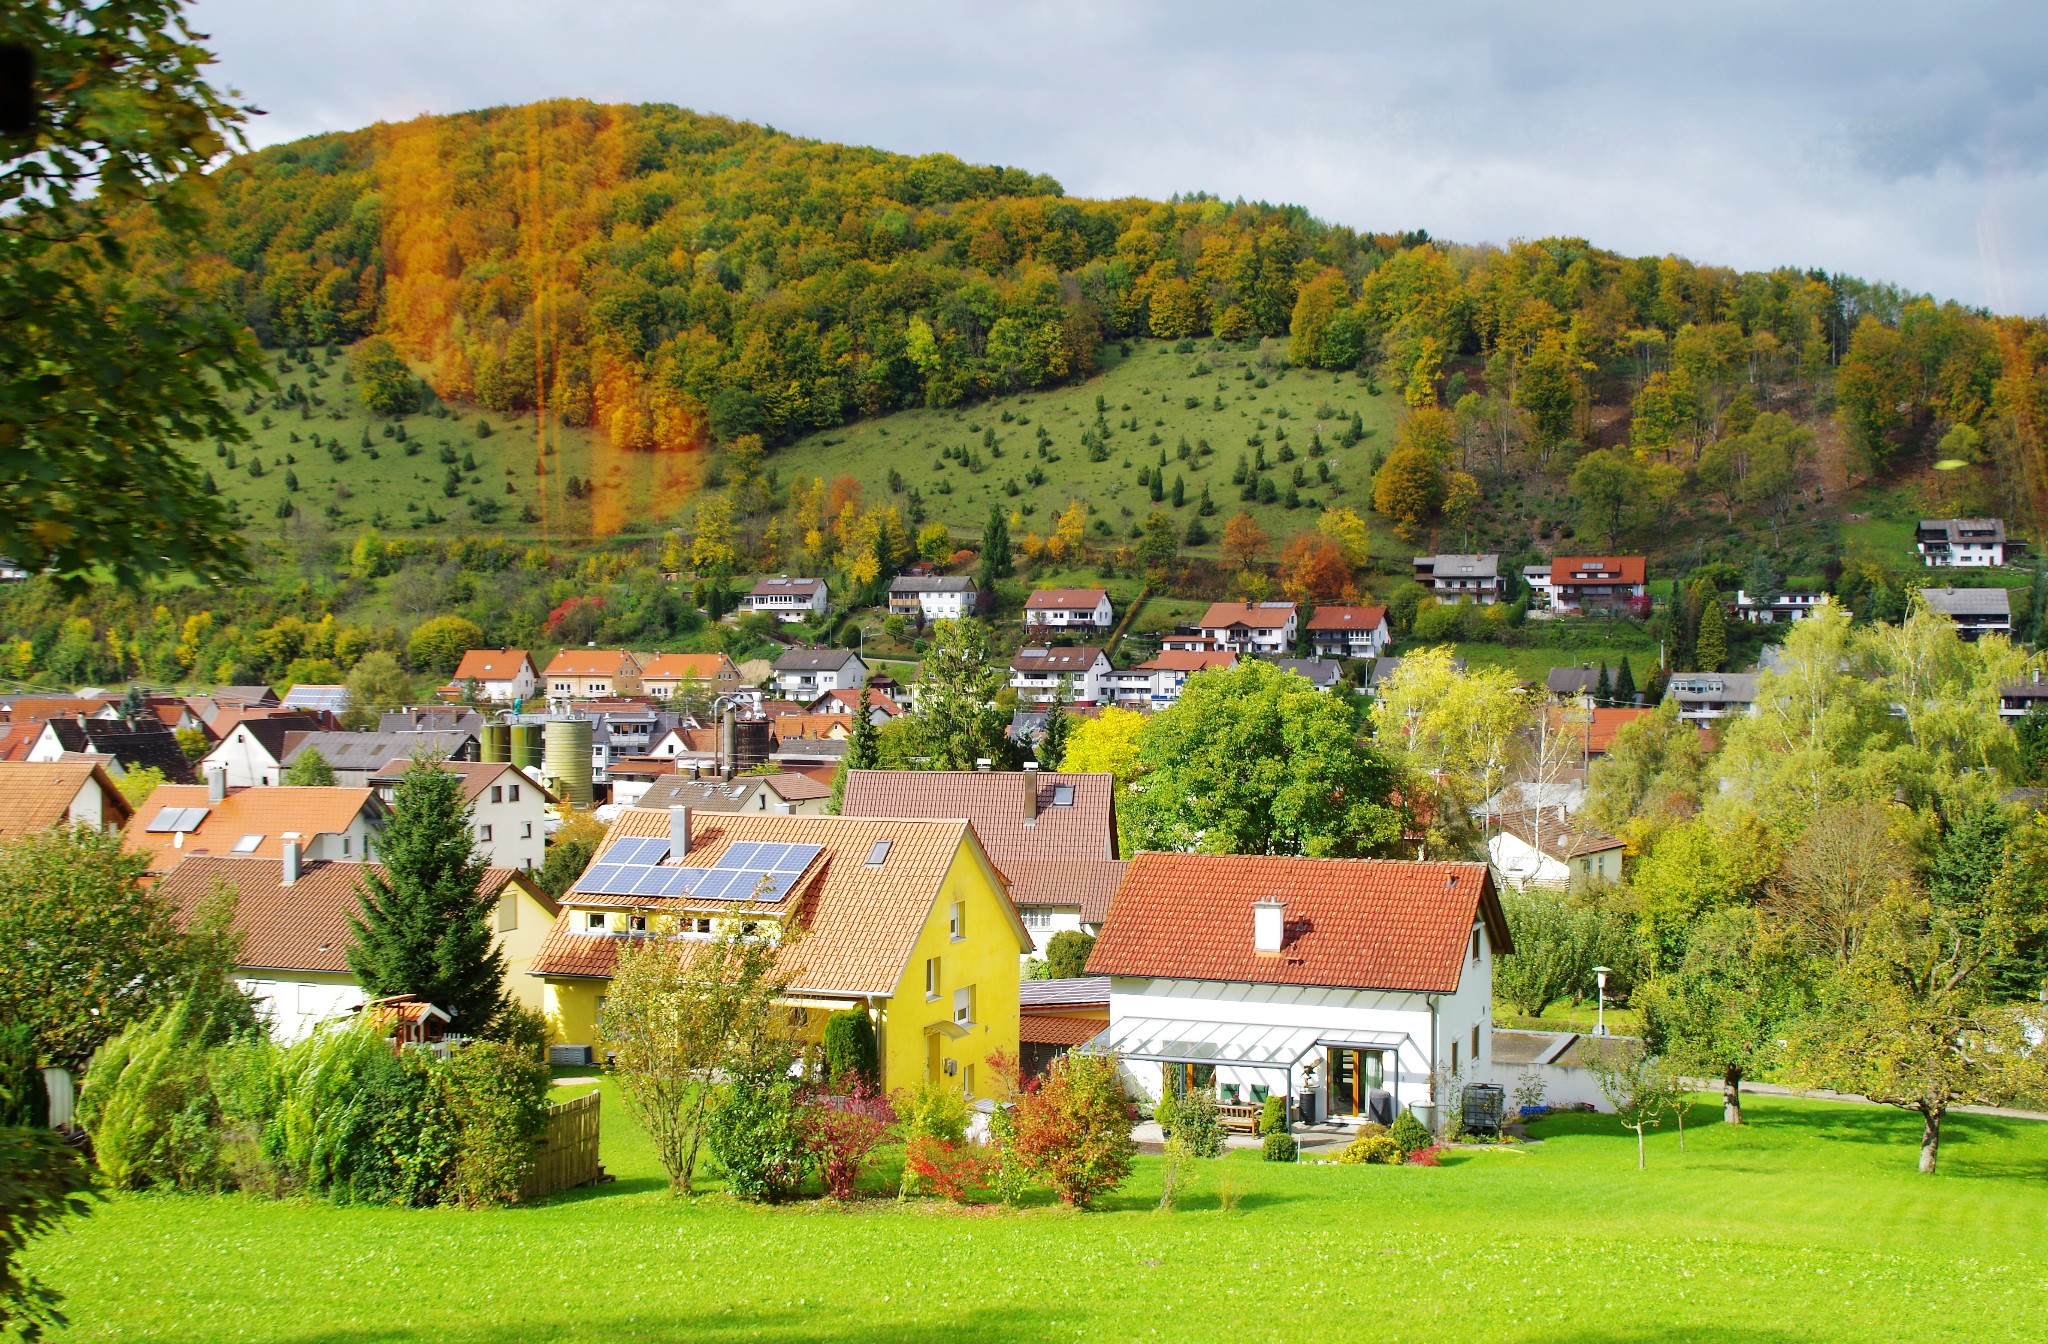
point(1622, 568)
point(35, 796)
point(1011, 810)
point(688, 667)
point(592, 663)
point(1188, 660)
point(491, 665)
point(1562, 839)
point(1606, 723)
point(1347, 618)
point(1065, 599)
point(1255, 615)
point(1352, 923)
point(1088, 883)
point(1059, 1028)
point(267, 812)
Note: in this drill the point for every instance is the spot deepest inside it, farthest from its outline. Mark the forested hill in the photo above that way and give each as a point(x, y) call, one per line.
point(665, 277)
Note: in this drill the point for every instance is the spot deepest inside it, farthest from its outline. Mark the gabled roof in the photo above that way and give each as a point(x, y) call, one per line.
point(1081, 991)
point(1352, 923)
point(1739, 687)
point(1088, 883)
point(1017, 813)
point(1065, 599)
point(842, 699)
point(1188, 660)
point(36, 795)
point(1348, 618)
point(815, 660)
point(1323, 673)
point(43, 708)
point(1968, 601)
point(1251, 615)
point(1563, 837)
point(305, 926)
point(1575, 569)
point(251, 696)
point(687, 667)
point(860, 921)
point(1606, 723)
point(1570, 680)
point(492, 665)
point(430, 720)
point(370, 751)
point(592, 663)
point(935, 584)
point(770, 587)
point(477, 776)
point(270, 813)
point(309, 695)
point(1980, 531)
point(274, 732)
point(145, 743)
point(1460, 566)
point(738, 794)
point(791, 727)
point(1056, 660)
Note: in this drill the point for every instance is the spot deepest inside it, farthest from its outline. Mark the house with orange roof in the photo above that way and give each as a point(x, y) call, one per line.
point(1349, 631)
point(580, 674)
point(842, 699)
point(294, 916)
point(1069, 608)
point(1580, 583)
point(1251, 627)
point(670, 674)
point(34, 796)
point(907, 921)
point(1354, 988)
point(323, 823)
point(505, 676)
point(1157, 683)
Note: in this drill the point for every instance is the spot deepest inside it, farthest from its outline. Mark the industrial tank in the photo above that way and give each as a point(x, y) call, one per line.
point(566, 760)
point(752, 743)
point(497, 743)
point(526, 747)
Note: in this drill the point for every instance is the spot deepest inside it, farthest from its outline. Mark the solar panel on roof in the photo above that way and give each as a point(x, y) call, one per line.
point(649, 880)
point(601, 877)
point(651, 849)
point(769, 857)
point(738, 855)
point(675, 882)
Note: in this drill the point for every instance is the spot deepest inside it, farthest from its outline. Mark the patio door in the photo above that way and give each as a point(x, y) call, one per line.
point(1186, 1078)
point(1354, 1076)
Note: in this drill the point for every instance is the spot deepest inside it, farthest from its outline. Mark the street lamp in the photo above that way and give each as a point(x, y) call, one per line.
point(1600, 1019)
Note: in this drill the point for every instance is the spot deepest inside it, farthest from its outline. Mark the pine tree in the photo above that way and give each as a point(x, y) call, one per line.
point(1624, 685)
point(1603, 689)
point(863, 745)
point(1207, 508)
point(1052, 746)
point(1711, 650)
point(1180, 491)
point(995, 549)
point(425, 929)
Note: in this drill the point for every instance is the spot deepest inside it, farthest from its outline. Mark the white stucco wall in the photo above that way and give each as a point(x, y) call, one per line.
point(294, 1005)
point(1043, 921)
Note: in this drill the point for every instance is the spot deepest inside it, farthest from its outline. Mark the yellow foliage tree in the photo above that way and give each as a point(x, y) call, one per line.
point(1348, 530)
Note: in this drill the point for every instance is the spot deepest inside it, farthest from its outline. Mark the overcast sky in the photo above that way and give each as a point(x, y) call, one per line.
point(1903, 141)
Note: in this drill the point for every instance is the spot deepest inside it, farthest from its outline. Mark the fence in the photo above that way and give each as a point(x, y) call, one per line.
point(566, 1155)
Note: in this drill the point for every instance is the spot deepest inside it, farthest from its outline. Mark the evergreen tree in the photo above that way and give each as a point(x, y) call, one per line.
point(1207, 508)
point(1603, 689)
point(1052, 746)
point(1711, 650)
point(425, 928)
point(1624, 685)
point(309, 769)
point(1180, 491)
point(863, 745)
point(995, 549)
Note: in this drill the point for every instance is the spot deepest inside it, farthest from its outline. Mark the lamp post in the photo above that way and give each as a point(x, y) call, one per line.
point(1600, 1018)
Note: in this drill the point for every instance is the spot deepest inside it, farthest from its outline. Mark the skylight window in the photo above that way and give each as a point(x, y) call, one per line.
point(880, 852)
point(1062, 795)
point(248, 844)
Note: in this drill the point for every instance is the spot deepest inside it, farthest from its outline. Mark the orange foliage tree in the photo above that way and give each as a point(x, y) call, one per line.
point(1313, 569)
point(1243, 541)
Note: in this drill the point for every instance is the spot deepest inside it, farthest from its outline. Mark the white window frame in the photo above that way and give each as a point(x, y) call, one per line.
point(963, 1006)
point(957, 921)
point(931, 979)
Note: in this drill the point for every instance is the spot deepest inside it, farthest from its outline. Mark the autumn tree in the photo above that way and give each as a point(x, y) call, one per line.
point(1410, 485)
point(1547, 391)
point(1348, 530)
point(1873, 384)
point(1243, 540)
point(1313, 569)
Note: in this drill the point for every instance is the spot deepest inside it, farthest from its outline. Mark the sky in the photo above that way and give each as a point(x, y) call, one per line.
point(1893, 139)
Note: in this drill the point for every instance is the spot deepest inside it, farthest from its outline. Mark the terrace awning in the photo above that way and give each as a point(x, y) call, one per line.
point(1240, 1045)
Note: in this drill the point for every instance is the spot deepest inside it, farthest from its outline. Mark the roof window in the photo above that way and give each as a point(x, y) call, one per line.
point(879, 852)
point(1062, 795)
point(248, 844)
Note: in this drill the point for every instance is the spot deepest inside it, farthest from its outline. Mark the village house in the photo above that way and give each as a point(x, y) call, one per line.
point(804, 674)
point(253, 751)
point(1069, 608)
point(293, 915)
point(1452, 578)
point(592, 674)
point(1547, 847)
point(1705, 697)
point(1964, 543)
point(1976, 611)
point(1037, 674)
point(1776, 608)
point(1157, 682)
point(2018, 698)
point(785, 598)
point(1583, 583)
point(1349, 632)
point(1051, 833)
point(34, 796)
point(932, 598)
point(358, 758)
point(180, 820)
point(1325, 674)
point(907, 921)
point(880, 707)
point(508, 810)
point(1352, 987)
point(667, 675)
point(785, 794)
point(126, 745)
point(502, 676)
point(1250, 627)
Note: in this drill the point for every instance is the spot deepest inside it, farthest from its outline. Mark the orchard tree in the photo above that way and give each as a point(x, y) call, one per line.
point(1243, 540)
point(1725, 1008)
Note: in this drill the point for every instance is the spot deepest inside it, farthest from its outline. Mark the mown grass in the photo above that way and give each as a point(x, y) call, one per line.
point(1808, 1224)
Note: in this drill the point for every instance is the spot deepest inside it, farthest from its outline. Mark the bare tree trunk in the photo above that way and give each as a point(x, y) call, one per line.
point(1930, 1137)
point(1639, 1147)
point(1731, 1095)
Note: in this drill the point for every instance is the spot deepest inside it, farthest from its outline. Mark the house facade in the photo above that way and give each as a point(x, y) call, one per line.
point(1582, 583)
point(1462, 578)
point(1349, 632)
point(1962, 543)
point(592, 674)
point(35, 795)
point(508, 810)
point(905, 920)
point(1250, 627)
point(1546, 847)
point(1354, 988)
point(668, 675)
point(125, 746)
point(1038, 673)
point(182, 820)
point(1704, 697)
point(1158, 682)
point(1068, 608)
point(805, 674)
point(358, 758)
point(939, 598)
point(1976, 611)
point(502, 676)
point(787, 599)
point(1776, 608)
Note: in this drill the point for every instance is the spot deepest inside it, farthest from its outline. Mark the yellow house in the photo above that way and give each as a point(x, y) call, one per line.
point(907, 920)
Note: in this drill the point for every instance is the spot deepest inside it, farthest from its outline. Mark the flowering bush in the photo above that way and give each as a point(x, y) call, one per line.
point(942, 1165)
point(1431, 1156)
point(1378, 1149)
point(1074, 1131)
point(842, 1132)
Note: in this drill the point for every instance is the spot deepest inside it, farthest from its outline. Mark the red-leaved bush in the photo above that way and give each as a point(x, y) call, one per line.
point(1431, 1156)
point(1074, 1130)
point(841, 1133)
point(1639, 607)
point(946, 1167)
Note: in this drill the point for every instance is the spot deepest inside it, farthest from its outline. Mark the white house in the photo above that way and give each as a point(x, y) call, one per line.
point(939, 598)
point(1776, 608)
point(508, 810)
point(1547, 847)
point(1250, 627)
point(1352, 987)
point(1704, 697)
point(1452, 577)
point(35, 796)
point(787, 599)
point(505, 676)
point(1349, 632)
point(1972, 543)
point(1036, 674)
point(1065, 608)
point(180, 820)
point(804, 674)
point(1158, 682)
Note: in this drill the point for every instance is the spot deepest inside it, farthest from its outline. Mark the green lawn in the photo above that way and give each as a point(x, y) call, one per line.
point(1809, 1224)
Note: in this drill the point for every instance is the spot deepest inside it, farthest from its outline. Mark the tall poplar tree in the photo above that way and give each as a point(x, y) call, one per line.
point(995, 549)
point(1711, 651)
point(425, 929)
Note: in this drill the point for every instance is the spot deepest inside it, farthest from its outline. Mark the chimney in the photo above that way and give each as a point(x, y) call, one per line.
point(679, 831)
point(1030, 781)
point(290, 875)
point(217, 784)
point(1269, 924)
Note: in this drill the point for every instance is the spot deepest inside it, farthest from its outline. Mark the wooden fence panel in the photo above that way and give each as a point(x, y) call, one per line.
point(566, 1156)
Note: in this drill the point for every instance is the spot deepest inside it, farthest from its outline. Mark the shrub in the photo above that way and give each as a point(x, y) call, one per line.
point(841, 1133)
point(851, 1054)
point(757, 1134)
point(933, 1114)
point(41, 1180)
point(1280, 1148)
point(1431, 1156)
point(1165, 1110)
point(499, 1091)
point(1196, 1125)
point(1273, 1115)
point(1409, 1133)
point(148, 1107)
point(1074, 1130)
point(1379, 1149)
